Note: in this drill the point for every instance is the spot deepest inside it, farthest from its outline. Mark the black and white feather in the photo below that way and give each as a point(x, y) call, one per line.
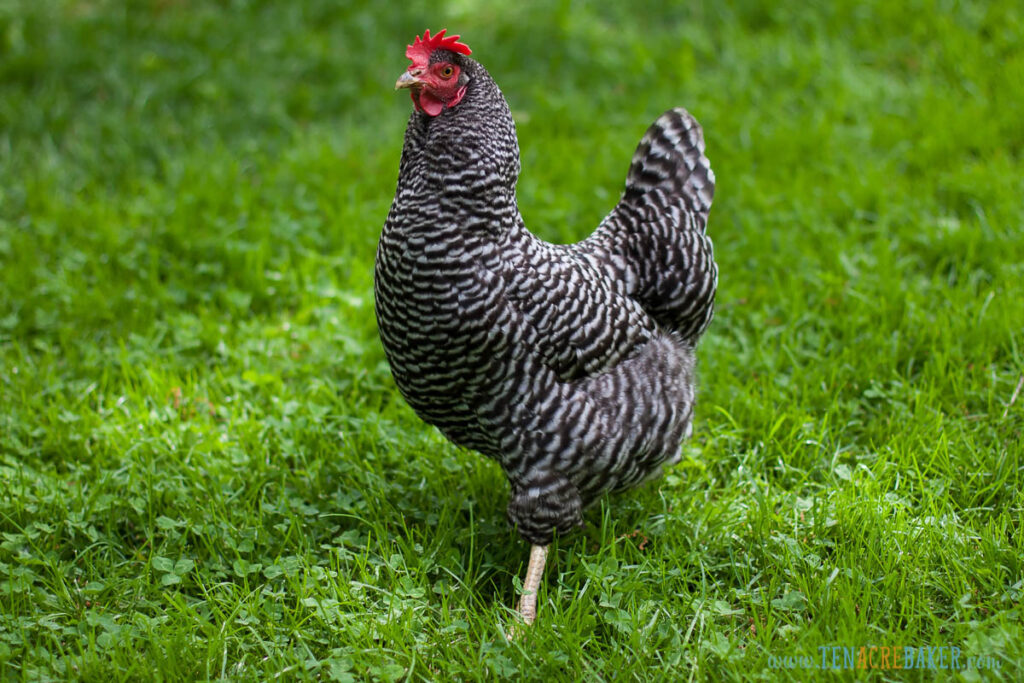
point(572, 366)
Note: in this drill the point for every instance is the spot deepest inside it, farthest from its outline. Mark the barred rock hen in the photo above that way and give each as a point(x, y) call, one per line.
point(572, 366)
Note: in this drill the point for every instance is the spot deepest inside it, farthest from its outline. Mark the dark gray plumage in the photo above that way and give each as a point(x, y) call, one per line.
point(572, 366)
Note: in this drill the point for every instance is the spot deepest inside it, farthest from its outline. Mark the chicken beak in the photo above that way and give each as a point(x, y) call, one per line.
point(409, 79)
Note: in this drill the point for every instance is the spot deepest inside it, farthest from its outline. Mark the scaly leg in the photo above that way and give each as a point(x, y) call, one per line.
point(534, 574)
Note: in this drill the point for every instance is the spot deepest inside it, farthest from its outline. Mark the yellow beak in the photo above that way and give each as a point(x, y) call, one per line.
point(409, 79)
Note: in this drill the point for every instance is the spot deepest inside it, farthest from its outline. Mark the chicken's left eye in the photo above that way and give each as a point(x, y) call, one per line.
point(447, 71)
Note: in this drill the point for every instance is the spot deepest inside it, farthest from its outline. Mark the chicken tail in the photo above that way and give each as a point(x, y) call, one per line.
point(655, 239)
point(670, 158)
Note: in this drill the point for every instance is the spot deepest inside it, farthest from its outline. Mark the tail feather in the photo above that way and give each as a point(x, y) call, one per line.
point(655, 241)
point(670, 158)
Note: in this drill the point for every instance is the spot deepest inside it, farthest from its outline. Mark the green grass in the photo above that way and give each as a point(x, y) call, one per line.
point(207, 473)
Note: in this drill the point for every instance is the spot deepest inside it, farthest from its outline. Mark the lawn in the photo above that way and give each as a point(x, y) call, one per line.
point(206, 471)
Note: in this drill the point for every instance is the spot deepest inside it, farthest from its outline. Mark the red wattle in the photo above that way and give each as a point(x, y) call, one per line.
point(430, 104)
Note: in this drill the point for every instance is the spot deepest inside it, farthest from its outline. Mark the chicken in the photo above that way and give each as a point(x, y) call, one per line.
point(572, 366)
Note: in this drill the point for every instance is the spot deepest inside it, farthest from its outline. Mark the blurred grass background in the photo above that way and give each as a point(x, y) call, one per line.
point(206, 472)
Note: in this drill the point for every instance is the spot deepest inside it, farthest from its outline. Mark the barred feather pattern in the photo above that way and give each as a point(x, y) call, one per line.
point(571, 366)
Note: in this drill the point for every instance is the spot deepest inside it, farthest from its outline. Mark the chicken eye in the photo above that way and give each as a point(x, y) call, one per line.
point(446, 71)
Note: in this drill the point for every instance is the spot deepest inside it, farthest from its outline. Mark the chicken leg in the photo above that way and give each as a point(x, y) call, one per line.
point(531, 584)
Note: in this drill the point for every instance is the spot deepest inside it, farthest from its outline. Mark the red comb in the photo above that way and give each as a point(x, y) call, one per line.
point(419, 51)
